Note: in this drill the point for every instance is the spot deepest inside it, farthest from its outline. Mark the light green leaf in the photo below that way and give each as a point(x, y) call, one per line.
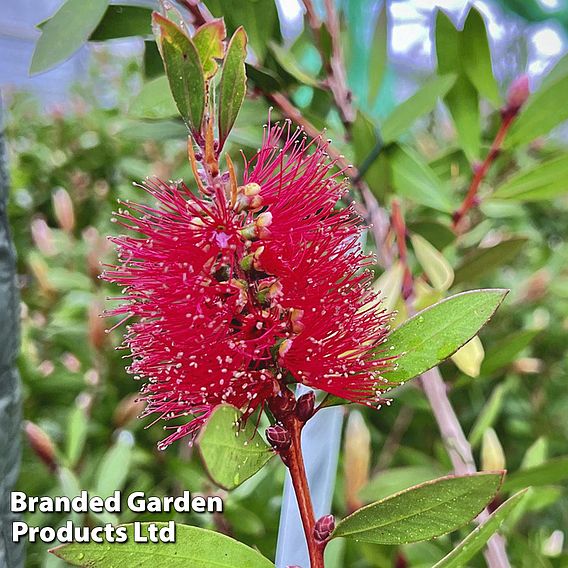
point(469, 358)
point(413, 178)
point(536, 454)
point(232, 89)
point(155, 100)
point(437, 332)
point(476, 58)
point(422, 512)
point(503, 352)
point(123, 21)
point(65, 32)
point(194, 548)
point(433, 262)
point(422, 102)
point(115, 466)
point(544, 110)
point(550, 472)
point(378, 55)
point(231, 455)
point(290, 65)
point(184, 71)
point(476, 540)
point(396, 479)
point(545, 180)
point(489, 414)
point(208, 41)
point(77, 424)
point(482, 260)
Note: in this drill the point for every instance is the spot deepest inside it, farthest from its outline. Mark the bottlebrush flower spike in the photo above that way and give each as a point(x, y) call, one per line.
point(242, 289)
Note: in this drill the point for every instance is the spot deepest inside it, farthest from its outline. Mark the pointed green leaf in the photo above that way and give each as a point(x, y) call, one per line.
point(77, 425)
point(545, 180)
point(433, 262)
point(476, 540)
point(123, 21)
point(231, 455)
point(489, 414)
point(503, 352)
point(233, 84)
point(550, 472)
point(412, 177)
point(65, 32)
point(208, 41)
point(421, 103)
point(286, 59)
point(378, 56)
point(422, 512)
point(184, 71)
point(437, 332)
point(476, 58)
point(155, 100)
point(194, 548)
point(115, 466)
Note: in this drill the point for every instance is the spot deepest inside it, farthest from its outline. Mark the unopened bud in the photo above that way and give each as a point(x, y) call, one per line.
point(296, 316)
point(127, 410)
point(41, 444)
point(43, 237)
point(63, 209)
point(323, 528)
point(96, 326)
point(305, 406)
point(282, 403)
point(518, 93)
point(279, 438)
point(492, 455)
point(284, 348)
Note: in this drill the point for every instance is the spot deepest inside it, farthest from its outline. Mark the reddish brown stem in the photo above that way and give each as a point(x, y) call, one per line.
point(481, 170)
point(294, 460)
point(399, 227)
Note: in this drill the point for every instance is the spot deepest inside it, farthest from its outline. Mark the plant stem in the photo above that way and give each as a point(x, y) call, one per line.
point(471, 198)
point(294, 460)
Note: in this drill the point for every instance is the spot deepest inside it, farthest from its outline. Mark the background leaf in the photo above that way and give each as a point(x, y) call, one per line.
point(422, 512)
point(123, 21)
point(231, 456)
point(155, 100)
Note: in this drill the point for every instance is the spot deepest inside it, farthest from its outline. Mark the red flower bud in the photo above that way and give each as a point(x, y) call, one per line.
point(324, 527)
point(305, 406)
point(518, 94)
point(279, 438)
point(41, 444)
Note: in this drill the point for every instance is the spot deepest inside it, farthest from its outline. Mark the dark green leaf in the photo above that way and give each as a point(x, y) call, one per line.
point(477, 539)
point(483, 260)
point(184, 71)
point(548, 473)
point(65, 32)
point(123, 21)
point(422, 512)
point(412, 177)
point(476, 58)
point(545, 180)
point(378, 56)
point(503, 352)
point(208, 41)
point(419, 104)
point(489, 414)
point(194, 548)
point(231, 455)
point(233, 84)
point(77, 425)
point(263, 78)
point(154, 100)
point(436, 333)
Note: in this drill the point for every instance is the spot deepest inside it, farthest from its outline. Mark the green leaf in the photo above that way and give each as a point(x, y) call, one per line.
point(476, 58)
point(438, 234)
point(503, 352)
point(545, 180)
point(536, 454)
point(483, 260)
point(489, 414)
point(115, 466)
point(123, 21)
point(422, 102)
point(258, 17)
point(285, 58)
point(437, 332)
point(77, 424)
point(550, 472)
point(184, 71)
point(476, 540)
point(208, 41)
point(65, 32)
point(422, 512)
point(233, 84)
point(412, 177)
point(396, 479)
point(194, 548)
point(231, 455)
point(154, 100)
point(433, 262)
point(378, 55)
point(544, 110)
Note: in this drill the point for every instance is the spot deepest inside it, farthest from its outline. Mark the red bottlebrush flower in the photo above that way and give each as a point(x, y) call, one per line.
point(239, 289)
